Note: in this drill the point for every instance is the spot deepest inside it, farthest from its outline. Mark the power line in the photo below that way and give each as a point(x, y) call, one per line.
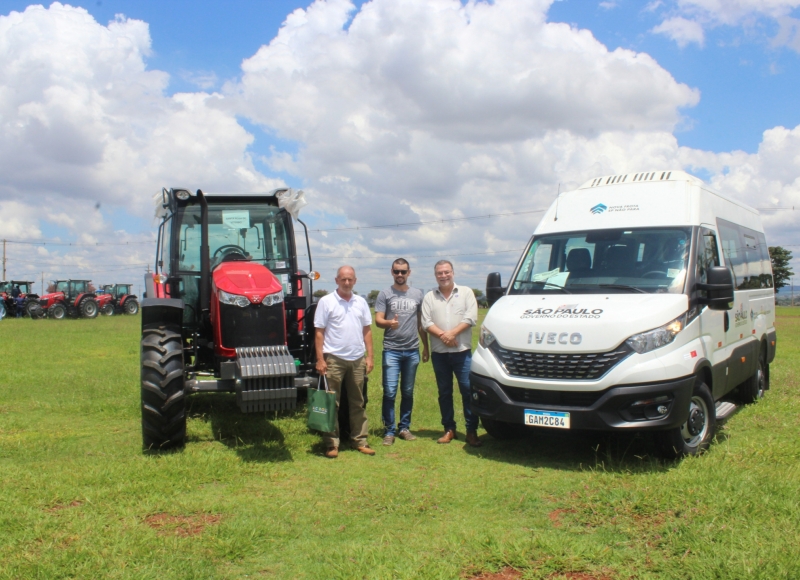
point(443, 255)
point(423, 223)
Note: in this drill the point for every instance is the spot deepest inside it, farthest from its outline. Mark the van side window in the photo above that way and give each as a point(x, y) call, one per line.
point(766, 263)
point(707, 255)
point(741, 247)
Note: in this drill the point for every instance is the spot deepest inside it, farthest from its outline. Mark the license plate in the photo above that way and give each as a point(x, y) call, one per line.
point(554, 419)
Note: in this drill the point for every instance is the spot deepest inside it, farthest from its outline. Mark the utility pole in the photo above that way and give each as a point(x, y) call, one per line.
point(4, 260)
point(43, 292)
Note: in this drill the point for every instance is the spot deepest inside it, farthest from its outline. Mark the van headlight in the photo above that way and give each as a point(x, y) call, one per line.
point(233, 299)
point(663, 335)
point(486, 337)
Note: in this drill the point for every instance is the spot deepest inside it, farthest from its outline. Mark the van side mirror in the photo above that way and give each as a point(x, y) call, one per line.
point(494, 288)
point(719, 288)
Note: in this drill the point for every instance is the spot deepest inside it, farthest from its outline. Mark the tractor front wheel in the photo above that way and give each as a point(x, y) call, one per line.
point(107, 310)
point(57, 311)
point(131, 306)
point(88, 308)
point(162, 387)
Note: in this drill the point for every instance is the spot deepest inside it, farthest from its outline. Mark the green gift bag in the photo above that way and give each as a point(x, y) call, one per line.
point(322, 407)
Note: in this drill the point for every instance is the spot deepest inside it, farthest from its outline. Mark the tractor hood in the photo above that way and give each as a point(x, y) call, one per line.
point(245, 279)
point(579, 323)
point(51, 295)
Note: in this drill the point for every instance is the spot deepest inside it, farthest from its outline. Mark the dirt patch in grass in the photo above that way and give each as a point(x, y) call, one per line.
point(183, 526)
point(506, 573)
point(62, 506)
point(555, 516)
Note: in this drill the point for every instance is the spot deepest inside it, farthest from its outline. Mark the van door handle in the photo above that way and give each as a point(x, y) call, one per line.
point(727, 323)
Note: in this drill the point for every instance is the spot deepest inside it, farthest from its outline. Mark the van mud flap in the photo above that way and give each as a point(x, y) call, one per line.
point(266, 379)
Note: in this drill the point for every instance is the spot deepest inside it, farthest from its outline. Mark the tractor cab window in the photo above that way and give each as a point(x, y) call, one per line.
point(256, 233)
point(123, 289)
point(62, 287)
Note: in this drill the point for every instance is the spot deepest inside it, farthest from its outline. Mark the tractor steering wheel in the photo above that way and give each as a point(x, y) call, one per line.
point(231, 255)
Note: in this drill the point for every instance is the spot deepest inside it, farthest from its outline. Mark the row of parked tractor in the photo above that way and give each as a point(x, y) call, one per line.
point(69, 298)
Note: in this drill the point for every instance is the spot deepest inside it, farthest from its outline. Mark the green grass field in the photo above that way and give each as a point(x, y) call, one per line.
point(251, 496)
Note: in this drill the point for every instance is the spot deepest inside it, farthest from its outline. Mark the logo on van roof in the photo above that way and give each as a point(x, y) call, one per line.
point(599, 208)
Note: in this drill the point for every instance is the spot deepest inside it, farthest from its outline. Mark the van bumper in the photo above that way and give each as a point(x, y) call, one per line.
point(619, 408)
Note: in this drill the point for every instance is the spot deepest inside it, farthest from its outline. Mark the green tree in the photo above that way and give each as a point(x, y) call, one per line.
point(372, 297)
point(320, 293)
point(781, 271)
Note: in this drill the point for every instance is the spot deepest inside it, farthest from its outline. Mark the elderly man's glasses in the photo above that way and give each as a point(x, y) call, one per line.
point(399, 272)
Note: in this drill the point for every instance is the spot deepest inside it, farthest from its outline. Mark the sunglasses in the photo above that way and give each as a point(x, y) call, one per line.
point(399, 272)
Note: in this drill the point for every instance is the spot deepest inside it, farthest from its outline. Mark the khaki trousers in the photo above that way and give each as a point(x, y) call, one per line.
point(350, 375)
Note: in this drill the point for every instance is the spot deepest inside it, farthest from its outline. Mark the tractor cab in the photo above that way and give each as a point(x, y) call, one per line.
point(227, 299)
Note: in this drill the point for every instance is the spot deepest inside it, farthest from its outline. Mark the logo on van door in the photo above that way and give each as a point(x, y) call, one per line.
point(740, 316)
point(599, 208)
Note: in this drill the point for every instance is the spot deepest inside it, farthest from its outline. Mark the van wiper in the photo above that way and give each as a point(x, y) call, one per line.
point(546, 283)
point(623, 287)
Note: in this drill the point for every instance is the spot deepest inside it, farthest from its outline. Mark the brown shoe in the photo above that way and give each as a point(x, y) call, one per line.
point(472, 439)
point(406, 435)
point(332, 453)
point(388, 440)
point(448, 436)
point(366, 450)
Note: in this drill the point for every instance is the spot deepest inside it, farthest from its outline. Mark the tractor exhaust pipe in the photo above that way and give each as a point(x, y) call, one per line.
point(205, 260)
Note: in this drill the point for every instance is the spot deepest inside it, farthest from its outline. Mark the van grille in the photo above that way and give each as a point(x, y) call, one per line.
point(559, 366)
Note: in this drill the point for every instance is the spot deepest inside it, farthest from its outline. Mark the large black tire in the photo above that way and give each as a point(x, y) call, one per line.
point(131, 306)
point(107, 309)
point(752, 390)
point(57, 311)
point(162, 389)
point(694, 436)
point(88, 308)
point(31, 306)
point(36, 312)
point(502, 430)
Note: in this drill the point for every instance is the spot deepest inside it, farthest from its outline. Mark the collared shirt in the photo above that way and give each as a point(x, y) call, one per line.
point(447, 313)
point(344, 322)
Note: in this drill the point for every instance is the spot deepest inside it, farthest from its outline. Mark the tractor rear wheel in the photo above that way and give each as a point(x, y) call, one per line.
point(30, 307)
point(88, 308)
point(131, 306)
point(57, 311)
point(162, 387)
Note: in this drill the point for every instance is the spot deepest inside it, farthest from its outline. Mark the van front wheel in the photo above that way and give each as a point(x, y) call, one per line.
point(695, 435)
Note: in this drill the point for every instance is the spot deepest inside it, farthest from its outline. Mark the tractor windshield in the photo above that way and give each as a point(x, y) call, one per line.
point(254, 232)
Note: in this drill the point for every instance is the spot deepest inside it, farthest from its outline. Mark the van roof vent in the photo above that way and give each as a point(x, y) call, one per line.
point(666, 175)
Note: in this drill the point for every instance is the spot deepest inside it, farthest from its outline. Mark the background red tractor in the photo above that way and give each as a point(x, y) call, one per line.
point(117, 299)
point(74, 298)
point(31, 300)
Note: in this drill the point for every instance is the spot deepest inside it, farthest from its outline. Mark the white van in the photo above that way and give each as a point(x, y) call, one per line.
point(640, 302)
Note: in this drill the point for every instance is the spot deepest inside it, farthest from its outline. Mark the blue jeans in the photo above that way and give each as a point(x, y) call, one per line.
point(445, 365)
point(398, 366)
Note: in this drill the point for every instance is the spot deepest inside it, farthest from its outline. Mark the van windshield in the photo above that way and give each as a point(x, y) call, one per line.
point(613, 261)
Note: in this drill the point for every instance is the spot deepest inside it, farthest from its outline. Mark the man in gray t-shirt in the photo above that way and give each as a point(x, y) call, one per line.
point(398, 310)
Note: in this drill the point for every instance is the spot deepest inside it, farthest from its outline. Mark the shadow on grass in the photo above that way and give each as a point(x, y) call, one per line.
point(253, 436)
point(575, 451)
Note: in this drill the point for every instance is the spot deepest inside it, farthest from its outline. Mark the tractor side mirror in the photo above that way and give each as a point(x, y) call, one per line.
point(494, 288)
point(719, 288)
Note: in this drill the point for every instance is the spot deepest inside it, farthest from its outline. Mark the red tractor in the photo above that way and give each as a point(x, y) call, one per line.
point(117, 299)
point(74, 298)
point(31, 300)
point(225, 309)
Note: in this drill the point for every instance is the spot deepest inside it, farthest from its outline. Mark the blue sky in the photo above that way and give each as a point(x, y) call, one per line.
point(379, 127)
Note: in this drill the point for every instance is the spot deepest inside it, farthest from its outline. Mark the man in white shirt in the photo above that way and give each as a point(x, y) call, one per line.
point(448, 315)
point(343, 334)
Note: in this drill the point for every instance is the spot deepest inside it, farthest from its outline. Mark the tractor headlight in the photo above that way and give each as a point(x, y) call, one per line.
point(271, 299)
point(486, 337)
point(233, 299)
point(663, 335)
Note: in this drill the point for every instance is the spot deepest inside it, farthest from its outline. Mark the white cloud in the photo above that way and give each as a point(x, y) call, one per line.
point(686, 20)
point(682, 31)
